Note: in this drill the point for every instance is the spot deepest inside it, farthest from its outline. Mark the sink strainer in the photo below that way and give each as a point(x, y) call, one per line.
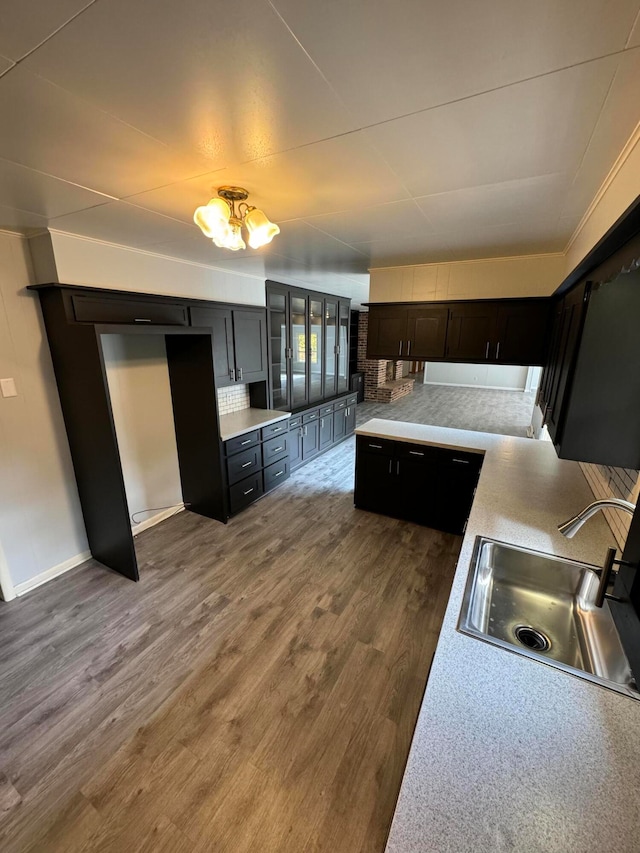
point(532, 639)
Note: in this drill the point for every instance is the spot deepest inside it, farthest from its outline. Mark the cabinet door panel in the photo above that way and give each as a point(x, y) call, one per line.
point(310, 440)
point(457, 481)
point(376, 480)
point(331, 348)
point(315, 352)
point(221, 323)
point(426, 332)
point(350, 419)
point(343, 346)
point(295, 448)
point(250, 344)
point(522, 333)
point(279, 344)
point(299, 368)
point(339, 424)
point(570, 322)
point(471, 331)
point(326, 430)
point(387, 332)
point(417, 475)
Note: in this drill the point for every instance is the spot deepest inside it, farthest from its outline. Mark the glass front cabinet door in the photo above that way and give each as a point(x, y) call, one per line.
point(343, 346)
point(279, 347)
point(315, 349)
point(299, 323)
point(331, 348)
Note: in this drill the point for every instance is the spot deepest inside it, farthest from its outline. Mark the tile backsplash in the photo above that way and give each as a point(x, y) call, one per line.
point(233, 399)
point(607, 482)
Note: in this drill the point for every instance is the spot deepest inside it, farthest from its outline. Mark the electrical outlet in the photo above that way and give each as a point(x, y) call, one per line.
point(8, 387)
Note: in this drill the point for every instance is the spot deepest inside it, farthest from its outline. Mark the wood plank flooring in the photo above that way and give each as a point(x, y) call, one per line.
point(257, 690)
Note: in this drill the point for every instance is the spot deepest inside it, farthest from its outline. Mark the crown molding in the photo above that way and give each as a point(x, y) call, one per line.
point(620, 160)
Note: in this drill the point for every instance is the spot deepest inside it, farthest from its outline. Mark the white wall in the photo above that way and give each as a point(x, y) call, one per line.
point(41, 524)
point(138, 379)
point(501, 376)
point(532, 275)
point(76, 260)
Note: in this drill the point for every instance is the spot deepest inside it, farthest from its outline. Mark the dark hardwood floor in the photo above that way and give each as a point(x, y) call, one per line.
point(257, 690)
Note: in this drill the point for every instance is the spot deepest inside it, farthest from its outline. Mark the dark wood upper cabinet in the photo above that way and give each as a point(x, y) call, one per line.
point(239, 342)
point(99, 308)
point(407, 332)
point(502, 331)
point(522, 332)
point(593, 413)
point(426, 332)
point(250, 345)
point(471, 331)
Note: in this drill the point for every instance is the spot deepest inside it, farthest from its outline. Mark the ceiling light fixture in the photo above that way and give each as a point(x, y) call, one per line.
point(222, 221)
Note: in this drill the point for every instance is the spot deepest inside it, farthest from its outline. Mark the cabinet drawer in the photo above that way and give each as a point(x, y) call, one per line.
point(294, 423)
point(326, 410)
point(95, 309)
point(278, 428)
point(275, 448)
point(276, 474)
point(308, 417)
point(243, 464)
point(241, 442)
point(463, 461)
point(340, 404)
point(245, 492)
point(376, 445)
point(420, 451)
point(352, 400)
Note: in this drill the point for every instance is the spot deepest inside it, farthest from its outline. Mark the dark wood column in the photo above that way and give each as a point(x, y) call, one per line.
point(193, 394)
point(78, 363)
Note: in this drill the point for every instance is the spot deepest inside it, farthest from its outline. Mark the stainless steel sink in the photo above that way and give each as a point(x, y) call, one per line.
point(541, 606)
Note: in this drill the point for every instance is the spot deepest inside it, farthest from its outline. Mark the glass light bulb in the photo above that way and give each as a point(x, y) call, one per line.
point(261, 230)
point(213, 218)
point(235, 240)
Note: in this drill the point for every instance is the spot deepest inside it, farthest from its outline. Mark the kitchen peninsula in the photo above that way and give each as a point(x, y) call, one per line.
point(509, 754)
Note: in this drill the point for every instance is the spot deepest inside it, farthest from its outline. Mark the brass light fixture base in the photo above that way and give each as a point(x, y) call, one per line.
point(233, 193)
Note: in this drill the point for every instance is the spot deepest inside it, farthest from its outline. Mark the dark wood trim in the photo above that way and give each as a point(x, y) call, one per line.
point(436, 303)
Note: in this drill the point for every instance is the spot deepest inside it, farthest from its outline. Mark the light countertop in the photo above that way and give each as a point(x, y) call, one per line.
point(509, 754)
point(245, 420)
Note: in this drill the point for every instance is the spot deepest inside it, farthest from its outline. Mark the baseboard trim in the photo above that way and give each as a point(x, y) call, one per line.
point(157, 518)
point(50, 574)
point(471, 385)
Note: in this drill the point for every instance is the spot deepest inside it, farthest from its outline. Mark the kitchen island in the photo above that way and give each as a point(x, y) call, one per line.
point(509, 754)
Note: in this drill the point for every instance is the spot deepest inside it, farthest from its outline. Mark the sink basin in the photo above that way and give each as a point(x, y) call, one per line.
point(540, 606)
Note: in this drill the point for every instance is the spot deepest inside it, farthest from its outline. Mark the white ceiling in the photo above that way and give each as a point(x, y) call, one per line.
point(375, 134)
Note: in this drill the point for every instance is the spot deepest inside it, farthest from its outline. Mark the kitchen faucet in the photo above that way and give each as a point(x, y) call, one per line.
point(570, 527)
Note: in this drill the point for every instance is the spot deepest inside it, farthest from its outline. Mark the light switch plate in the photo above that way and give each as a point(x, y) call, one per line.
point(8, 388)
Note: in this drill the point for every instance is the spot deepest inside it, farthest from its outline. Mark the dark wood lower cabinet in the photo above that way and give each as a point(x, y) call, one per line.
point(326, 431)
point(310, 440)
point(415, 482)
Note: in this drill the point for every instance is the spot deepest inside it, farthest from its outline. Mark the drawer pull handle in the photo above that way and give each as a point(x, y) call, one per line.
point(415, 453)
point(246, 464)
point(141, 320)
point(246, 441)
point(376, 446)
point(279, 474)
point(248, 492)
point(276, 449)
point(461, 461)
point(276, 429)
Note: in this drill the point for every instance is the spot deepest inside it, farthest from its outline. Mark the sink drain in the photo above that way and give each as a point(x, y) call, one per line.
point(532, 639)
